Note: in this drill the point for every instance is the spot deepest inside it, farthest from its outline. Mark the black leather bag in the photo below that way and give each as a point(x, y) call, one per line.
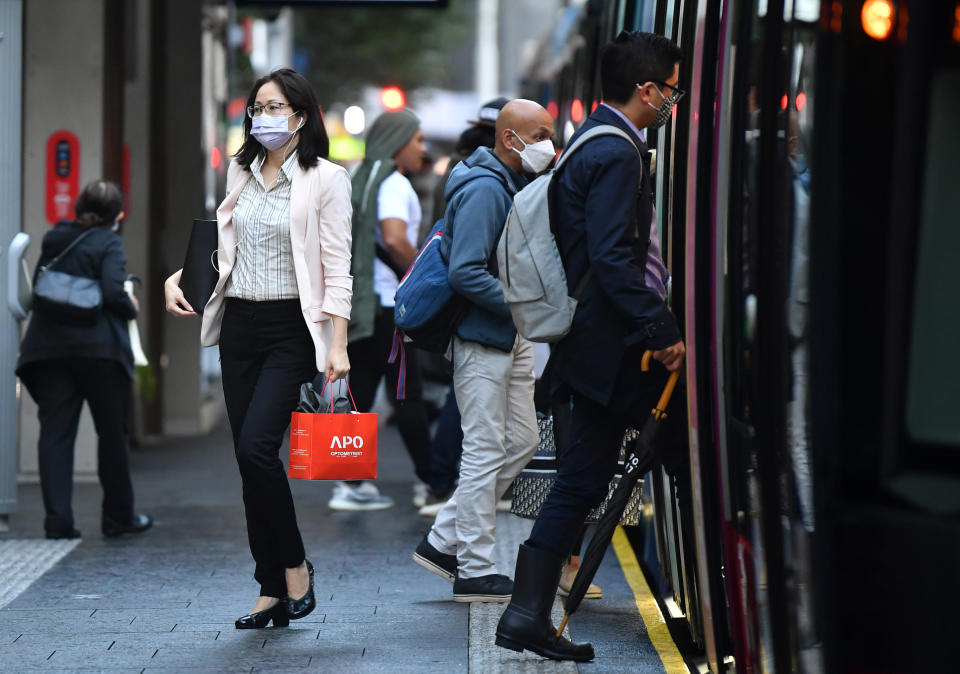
point(199, 276)
point(69, 298)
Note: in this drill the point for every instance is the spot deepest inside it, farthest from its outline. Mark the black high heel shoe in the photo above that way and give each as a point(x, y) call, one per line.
point(260, 619)
point(300, 608)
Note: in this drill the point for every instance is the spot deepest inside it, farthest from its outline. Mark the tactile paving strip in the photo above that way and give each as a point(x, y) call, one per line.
point(23, 561)
point(484, 655)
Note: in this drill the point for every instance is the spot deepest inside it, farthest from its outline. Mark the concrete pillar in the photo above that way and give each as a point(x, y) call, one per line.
point(487, 64)
point(178, 198)
point(11, 65)
point(62, 89)
point(137, 149)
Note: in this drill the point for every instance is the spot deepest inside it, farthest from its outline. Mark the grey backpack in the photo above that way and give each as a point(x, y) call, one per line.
point(531, 271)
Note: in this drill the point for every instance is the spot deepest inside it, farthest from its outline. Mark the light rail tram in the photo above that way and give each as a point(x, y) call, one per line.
point(806, 190)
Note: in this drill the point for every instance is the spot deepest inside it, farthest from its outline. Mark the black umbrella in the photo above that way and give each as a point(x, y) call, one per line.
point(637, 463)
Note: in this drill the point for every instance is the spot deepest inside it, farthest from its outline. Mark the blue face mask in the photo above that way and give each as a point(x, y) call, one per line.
point(116, 227)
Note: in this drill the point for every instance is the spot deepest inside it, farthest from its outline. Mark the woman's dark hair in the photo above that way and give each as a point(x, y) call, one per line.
point(634, 58)
point(313, 141)
point(99, 204)
point(476, 136)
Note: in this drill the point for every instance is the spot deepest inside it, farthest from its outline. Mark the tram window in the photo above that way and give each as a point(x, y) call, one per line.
point(644, 13)
point(668, 28)
point(933, 386)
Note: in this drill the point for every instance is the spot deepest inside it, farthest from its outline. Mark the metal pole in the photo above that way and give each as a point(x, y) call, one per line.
point(11, 74)
point(487, 66)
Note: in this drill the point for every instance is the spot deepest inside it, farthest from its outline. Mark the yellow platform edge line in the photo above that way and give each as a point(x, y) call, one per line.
point(657, 630)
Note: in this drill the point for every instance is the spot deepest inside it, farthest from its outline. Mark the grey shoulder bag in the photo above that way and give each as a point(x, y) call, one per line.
point(72, 299)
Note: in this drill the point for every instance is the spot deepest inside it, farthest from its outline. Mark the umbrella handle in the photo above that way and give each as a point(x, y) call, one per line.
point(660, 411)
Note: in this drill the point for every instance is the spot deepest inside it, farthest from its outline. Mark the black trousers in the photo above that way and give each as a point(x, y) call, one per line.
point(266, 353)
point(59, 387)
point(368, 365)
point(588, 458)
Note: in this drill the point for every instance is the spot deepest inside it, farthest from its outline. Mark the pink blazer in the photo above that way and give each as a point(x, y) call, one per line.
point(320, 234)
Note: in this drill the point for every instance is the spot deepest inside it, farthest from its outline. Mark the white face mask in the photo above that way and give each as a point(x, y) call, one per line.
point(535, 156)
point(272, 131)
point(116, 227)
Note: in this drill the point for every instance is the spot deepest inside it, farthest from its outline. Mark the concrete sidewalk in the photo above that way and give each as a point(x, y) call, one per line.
point(166, 600)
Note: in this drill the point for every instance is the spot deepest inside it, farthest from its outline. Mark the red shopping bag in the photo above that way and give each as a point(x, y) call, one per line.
point(333, 446)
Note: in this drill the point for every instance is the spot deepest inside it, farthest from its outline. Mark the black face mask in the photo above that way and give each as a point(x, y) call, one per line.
point(663, 112)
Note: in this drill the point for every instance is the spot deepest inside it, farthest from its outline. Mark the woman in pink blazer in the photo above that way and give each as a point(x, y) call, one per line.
point(279, 313)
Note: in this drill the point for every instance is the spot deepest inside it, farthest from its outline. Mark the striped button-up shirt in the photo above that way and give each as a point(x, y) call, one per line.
point(264, 270)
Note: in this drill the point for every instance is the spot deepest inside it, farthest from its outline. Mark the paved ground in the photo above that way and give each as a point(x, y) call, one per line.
point(166, 600)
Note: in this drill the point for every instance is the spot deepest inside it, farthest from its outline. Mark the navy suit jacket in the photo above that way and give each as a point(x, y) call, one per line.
point(602, 208)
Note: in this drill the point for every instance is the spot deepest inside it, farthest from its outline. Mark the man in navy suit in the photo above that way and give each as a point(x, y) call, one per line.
point(605, 226)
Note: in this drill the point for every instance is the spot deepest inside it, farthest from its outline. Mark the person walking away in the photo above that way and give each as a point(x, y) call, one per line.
point(279, 312)
point(386, 224)
point(64, 363)
point(492, 364)
point(602, 224)
point(448, 437)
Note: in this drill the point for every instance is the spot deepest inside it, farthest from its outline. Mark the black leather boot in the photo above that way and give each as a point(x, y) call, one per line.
point(526, 623)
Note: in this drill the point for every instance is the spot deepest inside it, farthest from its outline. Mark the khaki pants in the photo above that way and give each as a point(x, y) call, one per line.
point(495, 394)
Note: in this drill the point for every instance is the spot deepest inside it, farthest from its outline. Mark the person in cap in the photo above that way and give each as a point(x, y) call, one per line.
point(386, 223)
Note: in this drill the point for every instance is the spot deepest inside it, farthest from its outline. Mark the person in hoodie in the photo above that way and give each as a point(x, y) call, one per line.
point(492, 365)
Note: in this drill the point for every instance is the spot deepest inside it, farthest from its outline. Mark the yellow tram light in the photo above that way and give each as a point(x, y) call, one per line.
point(877, 17)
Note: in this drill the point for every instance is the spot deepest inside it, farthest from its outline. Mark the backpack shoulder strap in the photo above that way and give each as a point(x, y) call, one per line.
point(447, 232)
point(601, 130)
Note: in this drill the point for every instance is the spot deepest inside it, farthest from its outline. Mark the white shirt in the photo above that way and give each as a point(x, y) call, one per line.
point(264, 270)
point(396, 199)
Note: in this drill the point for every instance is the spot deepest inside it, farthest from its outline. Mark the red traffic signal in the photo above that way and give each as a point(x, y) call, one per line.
point(392, 98)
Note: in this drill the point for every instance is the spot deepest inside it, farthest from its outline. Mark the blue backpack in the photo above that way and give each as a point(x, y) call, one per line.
point(427, 310)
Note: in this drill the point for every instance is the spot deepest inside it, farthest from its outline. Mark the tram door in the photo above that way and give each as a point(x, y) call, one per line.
point(671, 493)
point(762, 267)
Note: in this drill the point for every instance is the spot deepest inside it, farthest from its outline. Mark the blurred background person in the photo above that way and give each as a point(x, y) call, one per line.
point(386, 226)
point(64, 363)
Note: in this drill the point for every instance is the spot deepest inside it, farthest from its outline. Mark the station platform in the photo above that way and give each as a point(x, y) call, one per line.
point(166, 600)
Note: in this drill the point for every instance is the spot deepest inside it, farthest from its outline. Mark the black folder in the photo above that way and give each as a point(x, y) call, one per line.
point(199, 275)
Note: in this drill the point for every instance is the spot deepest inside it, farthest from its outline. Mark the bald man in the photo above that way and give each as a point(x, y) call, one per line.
point(492, 365)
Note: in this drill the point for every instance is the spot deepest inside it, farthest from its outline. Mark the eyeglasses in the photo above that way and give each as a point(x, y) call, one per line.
point(273, 108)
point(676, 93)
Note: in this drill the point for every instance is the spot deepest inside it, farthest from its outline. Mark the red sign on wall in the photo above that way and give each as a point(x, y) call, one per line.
point(63, 175)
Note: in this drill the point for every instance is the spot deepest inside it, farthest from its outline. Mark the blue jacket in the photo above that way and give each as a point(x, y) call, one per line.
point(602, 218)
point(479, 196)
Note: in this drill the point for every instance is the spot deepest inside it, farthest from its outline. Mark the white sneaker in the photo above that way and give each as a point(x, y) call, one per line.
point(420, 491)
point(434, 504)
point(364, 496)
